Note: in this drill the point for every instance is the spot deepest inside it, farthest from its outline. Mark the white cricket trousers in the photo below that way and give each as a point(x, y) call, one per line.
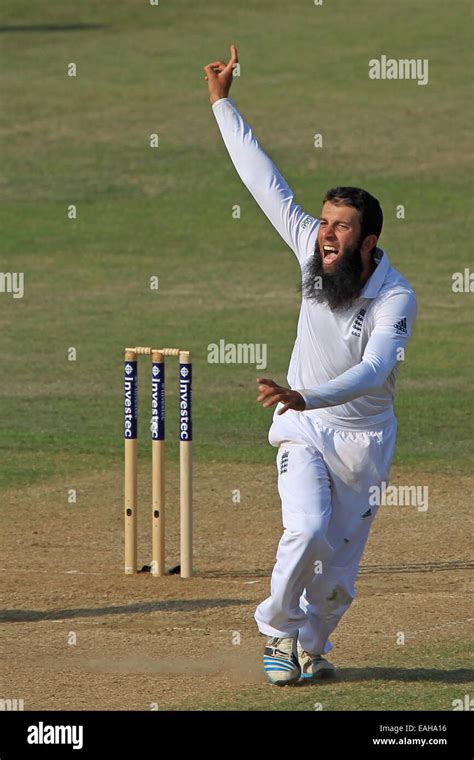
point(324, 477)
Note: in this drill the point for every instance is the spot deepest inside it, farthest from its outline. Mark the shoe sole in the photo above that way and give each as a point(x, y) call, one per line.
point(281, 681)
point(323, 675)
point(289, 682)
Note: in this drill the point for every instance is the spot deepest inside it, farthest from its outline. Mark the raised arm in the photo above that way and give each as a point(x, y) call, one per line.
point(254, 167)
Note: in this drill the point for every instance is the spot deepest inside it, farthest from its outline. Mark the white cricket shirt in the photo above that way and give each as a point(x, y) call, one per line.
point(344, 363)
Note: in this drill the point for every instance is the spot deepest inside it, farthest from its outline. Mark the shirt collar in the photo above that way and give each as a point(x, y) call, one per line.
point(376, 279)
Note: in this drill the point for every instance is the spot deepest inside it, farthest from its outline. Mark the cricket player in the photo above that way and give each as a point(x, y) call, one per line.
point(334, 426)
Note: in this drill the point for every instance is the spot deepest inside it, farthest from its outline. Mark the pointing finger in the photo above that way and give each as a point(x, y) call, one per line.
point(233, 59)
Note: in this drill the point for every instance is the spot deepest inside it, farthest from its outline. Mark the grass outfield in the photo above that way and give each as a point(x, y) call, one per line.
point(167, 212)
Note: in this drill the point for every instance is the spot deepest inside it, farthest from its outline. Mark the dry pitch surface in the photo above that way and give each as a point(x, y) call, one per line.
point(79, 634)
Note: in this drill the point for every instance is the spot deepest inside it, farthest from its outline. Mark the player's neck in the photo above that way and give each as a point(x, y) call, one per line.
point(368, 268)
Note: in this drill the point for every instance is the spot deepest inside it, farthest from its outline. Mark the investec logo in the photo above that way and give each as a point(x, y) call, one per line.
point(129, 389)
point(156, 390)
point(184, 403)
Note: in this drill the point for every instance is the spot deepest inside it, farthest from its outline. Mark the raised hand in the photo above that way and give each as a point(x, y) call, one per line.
point(219, 76)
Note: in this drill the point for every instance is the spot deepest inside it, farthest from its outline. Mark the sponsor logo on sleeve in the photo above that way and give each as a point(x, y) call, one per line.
point(401, 326)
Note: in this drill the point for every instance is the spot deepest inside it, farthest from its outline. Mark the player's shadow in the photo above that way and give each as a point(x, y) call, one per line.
point(357, 675)
point(51, 27)
point(179, 605)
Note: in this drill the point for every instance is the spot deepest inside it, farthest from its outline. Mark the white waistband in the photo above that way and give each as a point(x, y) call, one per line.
point(376, 422)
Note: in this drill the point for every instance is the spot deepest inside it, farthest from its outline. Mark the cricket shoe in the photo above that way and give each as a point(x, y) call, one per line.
point(314, 667)
point(280, 661)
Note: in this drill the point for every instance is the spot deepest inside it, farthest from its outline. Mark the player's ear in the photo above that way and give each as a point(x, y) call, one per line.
point(368, 243)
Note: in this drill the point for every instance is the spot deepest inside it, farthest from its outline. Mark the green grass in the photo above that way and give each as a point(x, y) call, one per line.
point(167, 212)
point(408, 680)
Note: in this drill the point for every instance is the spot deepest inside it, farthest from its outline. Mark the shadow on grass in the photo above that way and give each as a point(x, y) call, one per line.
point(359, 675)
point(182, 605)
point(52, 27)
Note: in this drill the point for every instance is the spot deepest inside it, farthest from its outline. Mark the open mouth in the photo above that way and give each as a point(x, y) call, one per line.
point(330, 253)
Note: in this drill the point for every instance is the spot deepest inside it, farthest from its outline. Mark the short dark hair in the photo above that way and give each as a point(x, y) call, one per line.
point(370, 213)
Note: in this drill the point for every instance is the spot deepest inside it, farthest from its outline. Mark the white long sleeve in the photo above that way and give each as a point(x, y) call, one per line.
point(263, 180)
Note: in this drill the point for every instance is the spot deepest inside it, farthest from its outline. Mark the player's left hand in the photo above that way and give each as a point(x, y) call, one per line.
point(271, 393)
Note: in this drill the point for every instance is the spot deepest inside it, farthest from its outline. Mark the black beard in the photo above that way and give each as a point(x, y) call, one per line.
point(339, 288)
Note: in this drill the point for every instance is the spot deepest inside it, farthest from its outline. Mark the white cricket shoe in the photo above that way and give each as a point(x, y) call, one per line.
point(280, 661)
point(314, 667)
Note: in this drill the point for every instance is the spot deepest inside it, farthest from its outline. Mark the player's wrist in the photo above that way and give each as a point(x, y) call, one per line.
point(310, 398)
point(218, 96)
